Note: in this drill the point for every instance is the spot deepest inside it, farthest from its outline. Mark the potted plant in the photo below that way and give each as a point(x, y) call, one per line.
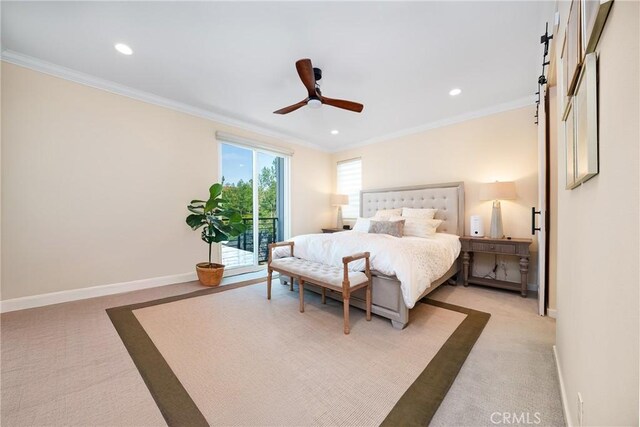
point(218, 224)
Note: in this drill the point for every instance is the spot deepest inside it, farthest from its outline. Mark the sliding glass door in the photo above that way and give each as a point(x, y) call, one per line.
point(255, 183)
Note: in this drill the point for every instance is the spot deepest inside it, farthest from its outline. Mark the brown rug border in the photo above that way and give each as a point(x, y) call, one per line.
point(419, 403)
point(417, 406)
point(175, 404)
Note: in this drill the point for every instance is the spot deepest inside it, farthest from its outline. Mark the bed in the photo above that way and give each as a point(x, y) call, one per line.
point(391, 298)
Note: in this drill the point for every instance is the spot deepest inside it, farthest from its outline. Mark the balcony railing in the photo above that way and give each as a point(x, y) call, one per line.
point(267, 233)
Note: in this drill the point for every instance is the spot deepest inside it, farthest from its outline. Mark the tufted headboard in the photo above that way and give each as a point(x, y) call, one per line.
point(447, 198)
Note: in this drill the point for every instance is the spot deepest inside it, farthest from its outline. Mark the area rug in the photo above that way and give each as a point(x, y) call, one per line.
point(228, 356)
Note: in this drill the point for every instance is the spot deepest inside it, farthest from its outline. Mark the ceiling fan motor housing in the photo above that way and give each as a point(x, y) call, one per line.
point(317, 73)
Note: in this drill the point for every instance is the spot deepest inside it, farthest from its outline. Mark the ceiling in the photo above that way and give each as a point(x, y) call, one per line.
point(236, 59)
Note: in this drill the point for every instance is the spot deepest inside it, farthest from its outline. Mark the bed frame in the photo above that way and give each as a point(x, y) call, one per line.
point(387, 297)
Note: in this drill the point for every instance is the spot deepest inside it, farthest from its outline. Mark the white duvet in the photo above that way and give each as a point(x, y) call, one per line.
point(415, 261)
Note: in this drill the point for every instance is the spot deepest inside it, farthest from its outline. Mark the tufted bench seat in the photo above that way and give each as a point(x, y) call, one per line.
point(338, 279)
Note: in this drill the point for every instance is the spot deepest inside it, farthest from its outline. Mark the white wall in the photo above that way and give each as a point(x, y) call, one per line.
point(501, 147)
point(95, 185)
point(598, 234)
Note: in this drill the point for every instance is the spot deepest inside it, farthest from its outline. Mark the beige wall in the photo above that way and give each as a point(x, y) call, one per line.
point(598, 291)
point(498, 147)
point(94, 185)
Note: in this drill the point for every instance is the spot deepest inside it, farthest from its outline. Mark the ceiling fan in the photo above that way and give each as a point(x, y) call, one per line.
point(310, 77)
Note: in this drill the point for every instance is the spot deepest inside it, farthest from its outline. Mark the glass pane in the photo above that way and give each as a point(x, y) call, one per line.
point(237, 181)
point(269, 202)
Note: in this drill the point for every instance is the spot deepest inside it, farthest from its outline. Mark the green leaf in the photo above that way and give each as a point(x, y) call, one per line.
point(196, 209)
point(208, 238)
point(197, 201)
point(221, 237)
point(232, 214)
point(238, 229)
point(196, 221)
point(234, 217)
point(211, 204)
point(215, 190)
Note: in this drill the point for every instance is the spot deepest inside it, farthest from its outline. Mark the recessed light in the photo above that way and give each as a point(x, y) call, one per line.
point(123, 49)
point(455, 91)
point(335, 132)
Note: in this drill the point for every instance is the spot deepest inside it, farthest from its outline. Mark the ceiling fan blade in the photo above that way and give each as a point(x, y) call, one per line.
point(341, 103)
point(291, 108)
point(305, 71)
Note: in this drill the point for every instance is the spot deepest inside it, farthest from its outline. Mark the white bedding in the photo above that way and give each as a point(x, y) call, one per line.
point(415, 261)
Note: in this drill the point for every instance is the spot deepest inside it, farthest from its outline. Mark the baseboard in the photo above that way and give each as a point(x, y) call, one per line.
point(92, 292)
point(552, 312)
point(563, 391)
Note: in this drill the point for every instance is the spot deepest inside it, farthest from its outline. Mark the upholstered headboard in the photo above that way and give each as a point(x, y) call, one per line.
point(447, 198)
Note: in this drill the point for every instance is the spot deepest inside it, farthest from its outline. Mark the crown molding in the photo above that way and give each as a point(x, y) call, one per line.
point(116, 88)
point(495, 109)
point(55, 70)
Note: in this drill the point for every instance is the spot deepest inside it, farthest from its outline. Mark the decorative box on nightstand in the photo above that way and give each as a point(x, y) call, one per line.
point(513, 247)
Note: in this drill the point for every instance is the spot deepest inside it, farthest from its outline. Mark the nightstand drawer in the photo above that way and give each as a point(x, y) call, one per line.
point(492, 247)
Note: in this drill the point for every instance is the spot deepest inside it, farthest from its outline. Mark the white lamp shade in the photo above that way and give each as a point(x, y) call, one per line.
point(498, 191)
point(339, 199)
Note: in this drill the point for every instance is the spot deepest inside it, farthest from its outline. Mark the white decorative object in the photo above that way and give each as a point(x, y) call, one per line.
point(497, 191)
point(477, 227)
point(339, 200)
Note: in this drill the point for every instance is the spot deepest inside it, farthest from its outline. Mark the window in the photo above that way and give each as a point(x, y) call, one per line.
point(255, 182)
point(350, 183)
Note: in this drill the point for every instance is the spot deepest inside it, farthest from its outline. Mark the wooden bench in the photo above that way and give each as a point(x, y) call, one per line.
point(338, 279)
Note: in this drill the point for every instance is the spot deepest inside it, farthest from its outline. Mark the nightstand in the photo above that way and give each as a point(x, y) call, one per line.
point(511, 247)
point(333, 230)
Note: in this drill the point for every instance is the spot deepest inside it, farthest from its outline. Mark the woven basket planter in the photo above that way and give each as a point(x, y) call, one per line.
point(210, 274)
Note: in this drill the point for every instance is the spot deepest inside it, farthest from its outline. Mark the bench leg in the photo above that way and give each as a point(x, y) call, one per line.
point(346, 316)
point(301, 291)
point(291, 284)
point(368, 302)
point(269, 273)
point(324, 295)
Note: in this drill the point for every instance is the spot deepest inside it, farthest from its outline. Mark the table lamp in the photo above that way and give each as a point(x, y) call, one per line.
point(339, 200)
point(497, 191)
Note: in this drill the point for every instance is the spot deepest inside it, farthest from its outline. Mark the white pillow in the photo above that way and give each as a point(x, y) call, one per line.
point(386, 213)
point(418, 227)
point(362, 225)
point(419, 213)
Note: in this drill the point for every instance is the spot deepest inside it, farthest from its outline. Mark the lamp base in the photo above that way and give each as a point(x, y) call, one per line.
point(339, 222)
point(496, 221)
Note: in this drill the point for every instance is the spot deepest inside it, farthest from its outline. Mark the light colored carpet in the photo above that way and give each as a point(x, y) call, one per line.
point(247, 361)
point(66, 365)
point(510, 370)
